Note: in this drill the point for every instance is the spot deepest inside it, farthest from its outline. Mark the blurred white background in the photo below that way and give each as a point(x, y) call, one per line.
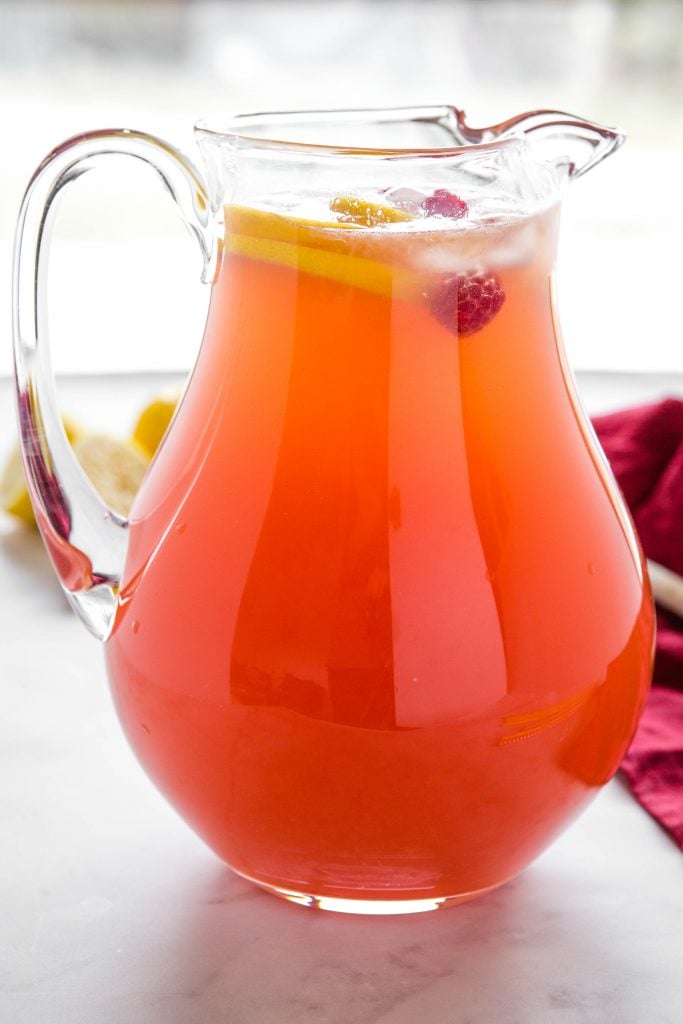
point(124, 286)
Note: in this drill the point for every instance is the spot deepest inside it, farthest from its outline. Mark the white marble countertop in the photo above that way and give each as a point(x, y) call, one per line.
point(114, 913)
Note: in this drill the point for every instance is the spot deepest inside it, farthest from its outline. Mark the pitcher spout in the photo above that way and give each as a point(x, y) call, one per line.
point(571, 144)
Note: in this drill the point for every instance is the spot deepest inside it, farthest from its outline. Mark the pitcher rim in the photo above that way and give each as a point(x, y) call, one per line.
point(235, 127)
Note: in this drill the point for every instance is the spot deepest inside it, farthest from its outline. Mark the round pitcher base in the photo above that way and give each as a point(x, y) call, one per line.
point(367, 907)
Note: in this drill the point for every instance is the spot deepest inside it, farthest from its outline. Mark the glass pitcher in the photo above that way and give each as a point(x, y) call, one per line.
point(378, 624)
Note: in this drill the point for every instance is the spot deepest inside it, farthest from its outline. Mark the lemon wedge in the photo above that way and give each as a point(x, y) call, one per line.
point(153, 422)
point(114, 467)
point(354, 210)
point(14, 496)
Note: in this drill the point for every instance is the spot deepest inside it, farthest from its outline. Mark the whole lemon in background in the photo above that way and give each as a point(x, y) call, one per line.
point(114, 466)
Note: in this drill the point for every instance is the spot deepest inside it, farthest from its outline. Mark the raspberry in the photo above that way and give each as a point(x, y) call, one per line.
point(464, 303)
point(443, 203)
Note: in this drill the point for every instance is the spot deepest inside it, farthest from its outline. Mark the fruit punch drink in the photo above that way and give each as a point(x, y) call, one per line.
point(381, 631)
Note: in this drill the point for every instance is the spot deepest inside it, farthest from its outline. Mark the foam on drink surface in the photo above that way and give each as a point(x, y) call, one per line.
point(497, 231)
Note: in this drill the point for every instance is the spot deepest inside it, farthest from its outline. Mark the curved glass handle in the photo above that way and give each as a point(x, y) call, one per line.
point(86, 539)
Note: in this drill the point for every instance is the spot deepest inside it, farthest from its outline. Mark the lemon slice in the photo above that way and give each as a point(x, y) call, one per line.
point(152, 423)
point(370, 275)
point(335, 235)
point(354, 210)
point(14, 496)
point(115, 468)
point(339, 251)
point(281, 227)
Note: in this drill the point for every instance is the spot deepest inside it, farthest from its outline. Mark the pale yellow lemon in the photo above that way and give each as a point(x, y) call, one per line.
point(373, 276)
point(153, 421)
point(14, 496)
point(114, 467)
point(363, 249)
point(354, 210)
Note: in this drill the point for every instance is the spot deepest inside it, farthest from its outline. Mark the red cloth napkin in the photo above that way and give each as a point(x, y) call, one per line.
point(645, 449)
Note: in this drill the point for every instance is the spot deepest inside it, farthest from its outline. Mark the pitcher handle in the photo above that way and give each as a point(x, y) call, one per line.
point(86, 539)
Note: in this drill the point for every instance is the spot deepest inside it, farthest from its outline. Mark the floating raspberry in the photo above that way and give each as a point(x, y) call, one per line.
point(464, 303)
point(443, 203)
